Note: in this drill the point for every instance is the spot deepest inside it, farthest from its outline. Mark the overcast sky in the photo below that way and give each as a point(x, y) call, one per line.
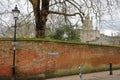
point(108, 26)
point(112, 23)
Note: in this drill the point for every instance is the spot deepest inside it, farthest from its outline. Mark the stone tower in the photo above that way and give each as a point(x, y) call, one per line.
point(87, 24)
point(87, 33)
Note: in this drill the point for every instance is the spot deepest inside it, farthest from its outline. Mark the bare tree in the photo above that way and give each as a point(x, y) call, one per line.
point(42, 8)
point(41, 11)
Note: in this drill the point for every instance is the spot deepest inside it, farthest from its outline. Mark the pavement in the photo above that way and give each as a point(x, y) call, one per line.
point(92, 76)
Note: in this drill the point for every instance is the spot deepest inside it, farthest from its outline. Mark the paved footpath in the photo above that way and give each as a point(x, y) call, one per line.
point(93, 76)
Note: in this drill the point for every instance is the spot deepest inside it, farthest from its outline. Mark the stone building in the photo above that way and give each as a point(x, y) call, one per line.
point(87, 33)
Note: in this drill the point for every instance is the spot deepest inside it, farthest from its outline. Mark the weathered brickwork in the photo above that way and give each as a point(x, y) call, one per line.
point(33, 56)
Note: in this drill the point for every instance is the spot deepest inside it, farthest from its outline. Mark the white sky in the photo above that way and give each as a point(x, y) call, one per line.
point(112, 24)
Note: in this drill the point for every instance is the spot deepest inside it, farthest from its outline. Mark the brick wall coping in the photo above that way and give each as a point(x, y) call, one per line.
point(56, 41)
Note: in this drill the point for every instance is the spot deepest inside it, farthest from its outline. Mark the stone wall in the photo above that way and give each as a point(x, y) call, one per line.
point(35, 57)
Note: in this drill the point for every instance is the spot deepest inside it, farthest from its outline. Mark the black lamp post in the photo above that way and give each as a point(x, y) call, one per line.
point(15, 12)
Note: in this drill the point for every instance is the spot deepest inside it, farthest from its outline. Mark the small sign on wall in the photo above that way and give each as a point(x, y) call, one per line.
point(53, 53)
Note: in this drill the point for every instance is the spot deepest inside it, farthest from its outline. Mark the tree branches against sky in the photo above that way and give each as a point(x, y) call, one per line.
point(102, 10)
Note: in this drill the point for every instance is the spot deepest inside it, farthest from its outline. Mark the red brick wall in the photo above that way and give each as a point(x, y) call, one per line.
point(32, 56)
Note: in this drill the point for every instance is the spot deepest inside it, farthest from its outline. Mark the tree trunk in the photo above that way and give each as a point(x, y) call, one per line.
point(40, 16)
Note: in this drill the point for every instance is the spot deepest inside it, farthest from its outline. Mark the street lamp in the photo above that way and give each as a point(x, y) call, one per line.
point(15, 12)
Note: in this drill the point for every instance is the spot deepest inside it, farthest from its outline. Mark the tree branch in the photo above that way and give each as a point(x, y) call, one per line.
point(62, 13)
point(80, 12)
